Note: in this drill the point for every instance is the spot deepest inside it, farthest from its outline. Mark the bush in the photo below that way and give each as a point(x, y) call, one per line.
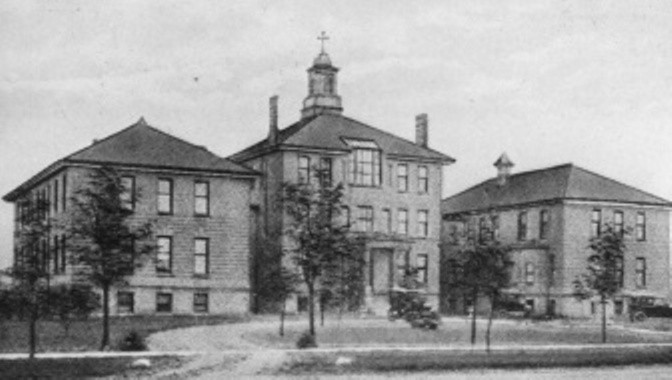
point(306, 341)
point(133, 342)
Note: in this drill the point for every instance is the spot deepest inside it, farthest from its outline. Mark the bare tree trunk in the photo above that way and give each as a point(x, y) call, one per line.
point(311, 308)
point(32, 326)
point(474, 298)
point(321, 310)
point(604, 318)
point(493, 301)
point(282, 316)
point(106, 318)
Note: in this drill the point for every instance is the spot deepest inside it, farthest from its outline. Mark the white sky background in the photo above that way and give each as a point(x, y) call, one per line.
point(548, 82)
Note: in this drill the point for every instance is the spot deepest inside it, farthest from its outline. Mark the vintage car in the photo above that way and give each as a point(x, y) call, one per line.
point(409, 304)
point(643, 306)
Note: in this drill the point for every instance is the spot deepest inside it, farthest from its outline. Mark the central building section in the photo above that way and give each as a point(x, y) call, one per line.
point(392, 189)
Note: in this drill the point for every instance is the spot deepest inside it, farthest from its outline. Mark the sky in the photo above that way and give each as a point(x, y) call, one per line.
point(548, 82)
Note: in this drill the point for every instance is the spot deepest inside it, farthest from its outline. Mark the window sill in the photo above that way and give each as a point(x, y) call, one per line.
point(365, 186)
point(165, 213)
point(201, 276)
point(201, 215)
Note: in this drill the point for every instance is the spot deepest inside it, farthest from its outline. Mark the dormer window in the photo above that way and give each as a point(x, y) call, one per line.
point(364, 168)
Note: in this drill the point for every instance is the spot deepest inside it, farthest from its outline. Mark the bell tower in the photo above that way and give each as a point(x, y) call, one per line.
point(322, 86)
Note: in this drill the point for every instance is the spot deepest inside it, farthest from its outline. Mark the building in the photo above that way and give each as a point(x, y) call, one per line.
point(392, 185)
point(199, 203)
point(547, 217)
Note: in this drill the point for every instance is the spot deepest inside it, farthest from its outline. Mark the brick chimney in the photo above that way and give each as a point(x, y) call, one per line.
point(273, 122)
point(421, 130)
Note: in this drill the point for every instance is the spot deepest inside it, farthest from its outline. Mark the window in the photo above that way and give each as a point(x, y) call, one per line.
point(482, 228)
point(640, 272)
point(402, 222)
point(522, 225)
point(56, 199)
point(125, 303)
point(618, 307)
point(201, 256)
point(325, 171)
point(544, 218)
point(64, 256)
point(529, 273)
point(200, 302)
point(165, 196)
point(421, 263)
point(201, 198)
point(365, 218)
point(128, 255)
point(423, 179)
point(364, 163)
point(164, 254)
point(164, 302)
point(64, 199)
point(304, 169)
point(596, 223)
point(423, 223)
point(128, 192)
point(495, 227)
point(640, 227)
point(345, 215)
point(453, 234)
point(618, 222)
point(57, 251)
point(619, 271)
point(402, 266)
point(402, 177)
point(386, 217)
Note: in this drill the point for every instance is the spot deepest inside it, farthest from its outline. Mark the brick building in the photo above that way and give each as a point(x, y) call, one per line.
point(199, 203)
point(392, 185)
point(547, 217)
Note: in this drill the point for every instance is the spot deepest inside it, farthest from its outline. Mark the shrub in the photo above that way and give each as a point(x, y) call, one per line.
point(306, 340)
point(133, 341)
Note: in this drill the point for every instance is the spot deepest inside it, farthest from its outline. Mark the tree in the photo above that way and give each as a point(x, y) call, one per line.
point(105, 243)
point(317, 238)
point(31, 267)
point(604, 271)
point(68, 302)
point(484, 270)
point(283, 283)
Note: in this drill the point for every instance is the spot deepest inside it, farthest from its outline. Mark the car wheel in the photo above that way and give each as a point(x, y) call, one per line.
point(640, 316)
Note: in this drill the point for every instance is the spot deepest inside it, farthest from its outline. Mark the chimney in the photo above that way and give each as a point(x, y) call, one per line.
point(421, 130)
point(273, 122)
point(503, 165)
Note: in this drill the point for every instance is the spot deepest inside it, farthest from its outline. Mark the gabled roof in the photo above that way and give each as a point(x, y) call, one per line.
point(564, 182)
point(141, 146)
point(328, 131)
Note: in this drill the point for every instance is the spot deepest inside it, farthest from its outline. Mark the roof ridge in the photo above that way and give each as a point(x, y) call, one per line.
point(393, 135)
point(621, 183)
point(533, 171)
point(98, 142)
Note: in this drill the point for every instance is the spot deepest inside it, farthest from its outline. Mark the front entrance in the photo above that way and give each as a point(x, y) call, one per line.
point(381, 270)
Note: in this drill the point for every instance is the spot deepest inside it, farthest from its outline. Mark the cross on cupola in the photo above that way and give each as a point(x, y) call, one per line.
point(323, 37)
point(322, 95)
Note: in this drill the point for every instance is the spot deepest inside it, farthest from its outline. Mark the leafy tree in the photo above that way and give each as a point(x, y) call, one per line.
point(484, 271)
point(31, 266)
point(283, 283)
point(72, 301)
point(105, 243)
point(317, 238)
point(342, 284)
point(604, 270)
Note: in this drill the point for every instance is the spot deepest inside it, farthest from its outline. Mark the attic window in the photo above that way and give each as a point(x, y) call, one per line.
point(364, 168)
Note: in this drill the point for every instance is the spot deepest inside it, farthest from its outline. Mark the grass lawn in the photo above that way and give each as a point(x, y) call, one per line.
point(303, 363)
point(86, 335)
point(454, 332)
point(85, 367)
